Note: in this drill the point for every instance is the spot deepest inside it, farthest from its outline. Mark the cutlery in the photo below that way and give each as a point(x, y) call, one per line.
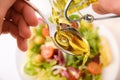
point(53, 32)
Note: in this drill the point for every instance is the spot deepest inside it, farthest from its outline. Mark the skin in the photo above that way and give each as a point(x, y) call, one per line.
point(22, 17)
point(107, 6)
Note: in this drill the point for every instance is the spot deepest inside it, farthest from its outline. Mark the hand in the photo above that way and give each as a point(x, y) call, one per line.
point(107, 6)
point(15, 18)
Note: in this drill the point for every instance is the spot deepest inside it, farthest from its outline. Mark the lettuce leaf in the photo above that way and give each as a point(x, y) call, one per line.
point(74, 61)
point(89, 32)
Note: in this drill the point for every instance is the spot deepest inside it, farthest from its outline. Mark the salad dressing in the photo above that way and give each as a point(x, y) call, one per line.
point(75, 6)
point(67, 37)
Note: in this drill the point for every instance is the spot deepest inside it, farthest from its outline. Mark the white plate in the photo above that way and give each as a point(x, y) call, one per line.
point(109, 73)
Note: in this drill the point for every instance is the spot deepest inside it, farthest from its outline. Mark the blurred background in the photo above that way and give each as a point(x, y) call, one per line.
point(8, 70)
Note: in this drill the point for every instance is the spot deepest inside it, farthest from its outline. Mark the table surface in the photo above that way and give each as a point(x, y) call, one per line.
point(8, 70)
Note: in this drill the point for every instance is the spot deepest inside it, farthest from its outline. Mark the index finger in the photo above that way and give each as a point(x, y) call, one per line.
point(27, 12)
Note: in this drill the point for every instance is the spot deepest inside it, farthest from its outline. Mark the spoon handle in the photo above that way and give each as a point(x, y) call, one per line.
point(108, 17)
point(91, 18)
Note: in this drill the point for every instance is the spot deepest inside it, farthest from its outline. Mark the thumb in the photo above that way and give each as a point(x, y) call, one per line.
point(4, 6)
point(99, 9)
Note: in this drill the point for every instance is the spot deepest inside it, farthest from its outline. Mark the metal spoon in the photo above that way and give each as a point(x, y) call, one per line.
point(88, 17)
point(53, 32)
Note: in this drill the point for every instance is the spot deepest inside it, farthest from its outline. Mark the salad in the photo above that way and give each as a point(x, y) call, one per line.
point(46, 62)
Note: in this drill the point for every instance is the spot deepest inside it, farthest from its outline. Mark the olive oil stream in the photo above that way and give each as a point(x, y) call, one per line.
point(76, 5)
point(69, 38)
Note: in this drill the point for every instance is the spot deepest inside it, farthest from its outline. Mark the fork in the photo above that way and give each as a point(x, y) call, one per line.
point(51, 26)
point(53, 30)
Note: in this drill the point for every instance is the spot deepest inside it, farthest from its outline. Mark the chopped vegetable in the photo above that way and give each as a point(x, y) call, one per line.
point(74, 17)
point(94, 68)
point(39, 40)
point(74, 61)
point(30, 69)
point(75, 24)
point(47, 51)
point(47, 62)
point(38, 58)
point(74, 72)
point(35, 48)
point(45, 32)
point(38, 29)
point(91, 34)
point(106, 56)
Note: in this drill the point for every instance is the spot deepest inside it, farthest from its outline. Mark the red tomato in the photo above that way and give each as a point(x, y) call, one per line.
point(71, 77)
point(45, 32)
point(94, 68)
point(47, 52)
point(75, 24)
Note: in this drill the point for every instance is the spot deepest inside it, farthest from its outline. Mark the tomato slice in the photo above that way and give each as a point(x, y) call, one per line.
point(75, 24)
point(47, 52)
point(45, 32)
point(94, 68)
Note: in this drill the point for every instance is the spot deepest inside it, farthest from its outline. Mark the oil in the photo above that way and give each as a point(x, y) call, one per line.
point(72, 41)
point(69, 38)
point(58, 7)
point(76, 5)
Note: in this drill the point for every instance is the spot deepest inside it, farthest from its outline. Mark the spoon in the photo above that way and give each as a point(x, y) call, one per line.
point(87, 17)
point(71, 41)
point(79, 47)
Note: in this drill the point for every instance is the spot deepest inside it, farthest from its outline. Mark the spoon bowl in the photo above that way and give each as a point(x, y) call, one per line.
point(70, 41)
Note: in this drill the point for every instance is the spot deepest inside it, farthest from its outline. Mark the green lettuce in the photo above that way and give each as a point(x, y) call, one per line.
point(91, 34)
